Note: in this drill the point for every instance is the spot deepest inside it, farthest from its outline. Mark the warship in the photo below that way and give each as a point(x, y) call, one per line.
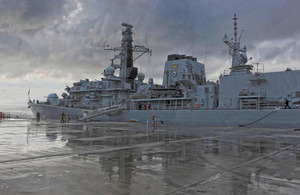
point(240, 98)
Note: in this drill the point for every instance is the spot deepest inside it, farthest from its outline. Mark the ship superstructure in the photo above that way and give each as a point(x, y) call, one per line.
point(184, 87)
point(245, 89)
point(242, 97)
point(111, 90)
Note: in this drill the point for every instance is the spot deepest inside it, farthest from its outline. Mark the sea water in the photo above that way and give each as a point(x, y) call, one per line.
point(17, 112)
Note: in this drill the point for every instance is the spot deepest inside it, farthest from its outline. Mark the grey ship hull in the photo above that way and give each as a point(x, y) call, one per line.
point(48, 112)
point(288, 118)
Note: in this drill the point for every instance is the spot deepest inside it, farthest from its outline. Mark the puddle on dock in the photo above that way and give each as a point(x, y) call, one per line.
point(125, 158)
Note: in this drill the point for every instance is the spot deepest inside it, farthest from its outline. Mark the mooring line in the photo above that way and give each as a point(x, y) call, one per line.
point(243, 125)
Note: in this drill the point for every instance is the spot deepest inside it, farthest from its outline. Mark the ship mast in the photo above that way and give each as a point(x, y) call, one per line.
point(127, 71)
point(235, 29)
point(239, 56)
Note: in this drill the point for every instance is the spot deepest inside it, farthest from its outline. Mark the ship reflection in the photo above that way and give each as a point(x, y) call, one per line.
point(164, 160)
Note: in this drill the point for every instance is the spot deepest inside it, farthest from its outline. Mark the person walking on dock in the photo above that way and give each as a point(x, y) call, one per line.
point(287, 104)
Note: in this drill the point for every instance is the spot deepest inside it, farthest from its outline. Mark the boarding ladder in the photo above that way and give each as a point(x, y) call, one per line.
point(103, 111)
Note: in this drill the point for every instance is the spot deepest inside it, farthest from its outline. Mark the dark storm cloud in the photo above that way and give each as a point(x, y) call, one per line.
point(55, 37)
point(21, 15)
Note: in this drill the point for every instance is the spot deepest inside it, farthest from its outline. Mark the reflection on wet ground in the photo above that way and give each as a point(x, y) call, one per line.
point(125, 158)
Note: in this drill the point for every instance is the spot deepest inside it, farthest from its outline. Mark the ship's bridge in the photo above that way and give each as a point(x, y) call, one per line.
point(183, 69)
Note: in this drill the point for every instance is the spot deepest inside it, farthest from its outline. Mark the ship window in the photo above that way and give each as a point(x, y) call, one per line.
point(297, 94)
point(189, 76)
point(183, 76)
point(206, 90)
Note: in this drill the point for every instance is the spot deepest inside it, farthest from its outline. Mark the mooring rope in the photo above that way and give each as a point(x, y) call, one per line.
point(243, 125)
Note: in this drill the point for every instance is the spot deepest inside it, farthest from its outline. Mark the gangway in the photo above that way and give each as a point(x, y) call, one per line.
point(103, 111)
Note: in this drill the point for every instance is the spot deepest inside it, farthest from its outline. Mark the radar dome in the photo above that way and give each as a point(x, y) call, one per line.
point(110, 70)
point(141, 76)
point(53, 95)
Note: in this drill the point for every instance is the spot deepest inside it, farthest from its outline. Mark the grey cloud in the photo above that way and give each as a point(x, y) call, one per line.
point(279, 54)
point(58, 37)
point(22, 15)
point(270, 53)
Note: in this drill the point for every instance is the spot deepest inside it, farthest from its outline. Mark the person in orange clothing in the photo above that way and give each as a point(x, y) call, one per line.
point(154, 122)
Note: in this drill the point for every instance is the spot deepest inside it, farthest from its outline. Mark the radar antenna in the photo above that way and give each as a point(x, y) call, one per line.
point(127, 71)
point(239, 56)
point(127, 25)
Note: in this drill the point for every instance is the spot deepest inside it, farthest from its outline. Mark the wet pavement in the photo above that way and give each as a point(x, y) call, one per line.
point(129, 158)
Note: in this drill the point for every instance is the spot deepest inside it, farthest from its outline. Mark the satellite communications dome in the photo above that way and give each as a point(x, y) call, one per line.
point(110, 70)
point(141, 76)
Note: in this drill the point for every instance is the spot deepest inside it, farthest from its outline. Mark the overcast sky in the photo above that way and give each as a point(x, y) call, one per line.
point(48, 44)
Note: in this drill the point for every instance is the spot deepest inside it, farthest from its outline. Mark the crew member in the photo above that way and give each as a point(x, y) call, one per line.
point(287, 103)
point(62, 117)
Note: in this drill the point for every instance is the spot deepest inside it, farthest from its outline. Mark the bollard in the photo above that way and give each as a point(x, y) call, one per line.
point(38, 116)
point(147, 124)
